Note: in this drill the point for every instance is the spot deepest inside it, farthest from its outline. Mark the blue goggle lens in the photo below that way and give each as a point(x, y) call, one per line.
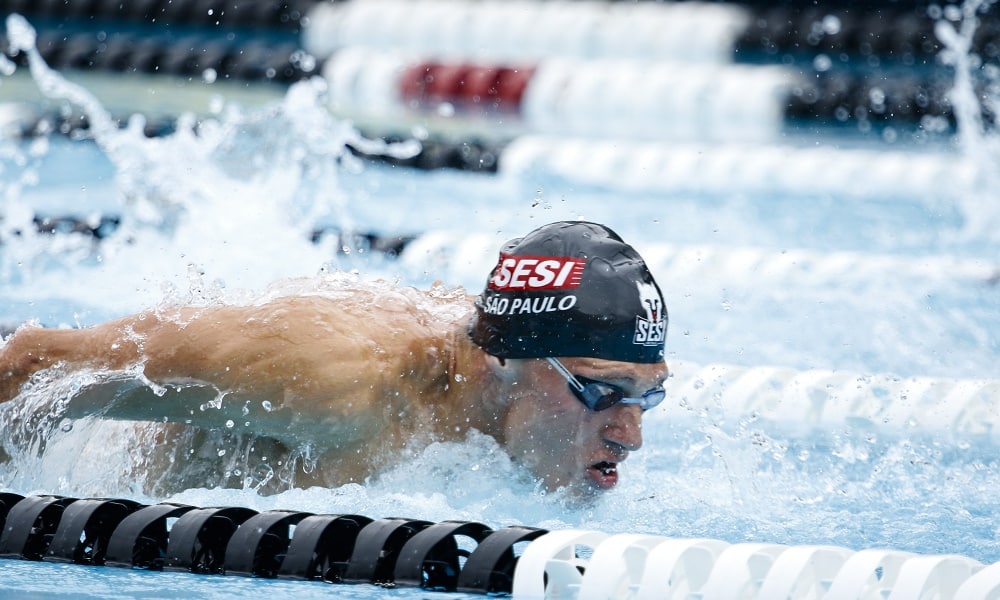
point(599, 395)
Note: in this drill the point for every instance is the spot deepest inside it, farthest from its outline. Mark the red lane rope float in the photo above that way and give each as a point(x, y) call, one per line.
point(467, 86)
point(733, 99)
point(591, 98)
point(635, 100)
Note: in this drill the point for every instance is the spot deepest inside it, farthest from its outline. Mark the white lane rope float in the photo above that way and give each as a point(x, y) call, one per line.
point(469, 557)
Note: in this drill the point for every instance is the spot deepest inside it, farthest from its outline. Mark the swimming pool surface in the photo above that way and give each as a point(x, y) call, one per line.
point(834, 335)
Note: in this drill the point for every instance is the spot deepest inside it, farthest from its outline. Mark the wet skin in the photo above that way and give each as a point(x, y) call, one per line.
point(352, 376)
point(563, 442)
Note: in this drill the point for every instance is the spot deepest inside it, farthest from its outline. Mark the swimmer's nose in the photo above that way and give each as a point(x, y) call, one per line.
point(625, 429)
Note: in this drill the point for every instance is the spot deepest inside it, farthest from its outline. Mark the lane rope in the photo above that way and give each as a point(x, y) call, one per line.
point(464, 556)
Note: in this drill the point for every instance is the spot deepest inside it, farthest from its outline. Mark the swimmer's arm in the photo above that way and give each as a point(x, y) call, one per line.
point(297, 356)
point(32, 349)
point(296, 368)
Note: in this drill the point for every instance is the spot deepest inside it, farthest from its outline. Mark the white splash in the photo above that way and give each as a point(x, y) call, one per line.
point(978, 139)
point(226, 202)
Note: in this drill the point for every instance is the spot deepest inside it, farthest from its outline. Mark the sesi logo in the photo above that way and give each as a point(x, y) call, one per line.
point(650, 330)
point(537, 273)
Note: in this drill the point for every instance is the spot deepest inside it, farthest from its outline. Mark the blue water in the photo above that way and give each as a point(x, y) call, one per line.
point(104, 583)
point(880, 288)
point(945, 325)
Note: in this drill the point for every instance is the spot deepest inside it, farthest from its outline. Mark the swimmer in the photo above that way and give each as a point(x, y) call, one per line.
point(557, 359)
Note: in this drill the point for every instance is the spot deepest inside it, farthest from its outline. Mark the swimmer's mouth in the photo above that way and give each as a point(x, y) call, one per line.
point(604, 475)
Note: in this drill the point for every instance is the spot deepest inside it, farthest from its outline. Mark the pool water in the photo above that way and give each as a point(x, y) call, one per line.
point(882, 307)
point(45, 580)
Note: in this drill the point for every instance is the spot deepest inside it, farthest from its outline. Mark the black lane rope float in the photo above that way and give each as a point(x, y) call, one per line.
point(476, 155)
point(882, 56)
point(281, 15)
point(189, 54)
point(836, 96)
point(893, 29)
point(462, 556)
point(100, 227)
point(873, 32)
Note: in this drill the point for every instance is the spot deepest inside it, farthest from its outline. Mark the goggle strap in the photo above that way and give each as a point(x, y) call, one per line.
point(573, 381)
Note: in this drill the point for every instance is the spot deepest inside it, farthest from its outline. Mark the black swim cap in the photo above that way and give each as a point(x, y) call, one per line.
point(571, 289)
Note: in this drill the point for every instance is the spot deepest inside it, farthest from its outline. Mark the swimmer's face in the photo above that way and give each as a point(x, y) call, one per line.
point(561, 440)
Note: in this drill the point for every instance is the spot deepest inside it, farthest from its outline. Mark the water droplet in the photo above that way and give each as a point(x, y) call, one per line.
point(446, 109)
point(831, 25)
point(230, 424)
point(877, 96)
point(303, 60)
point(822, 63)
point(267, 405)
point(222, 452)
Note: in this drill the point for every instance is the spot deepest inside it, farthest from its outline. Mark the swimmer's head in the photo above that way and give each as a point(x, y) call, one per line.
point(571, 289)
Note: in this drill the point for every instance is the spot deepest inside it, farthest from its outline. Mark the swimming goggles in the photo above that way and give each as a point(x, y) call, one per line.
point(599, 395)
